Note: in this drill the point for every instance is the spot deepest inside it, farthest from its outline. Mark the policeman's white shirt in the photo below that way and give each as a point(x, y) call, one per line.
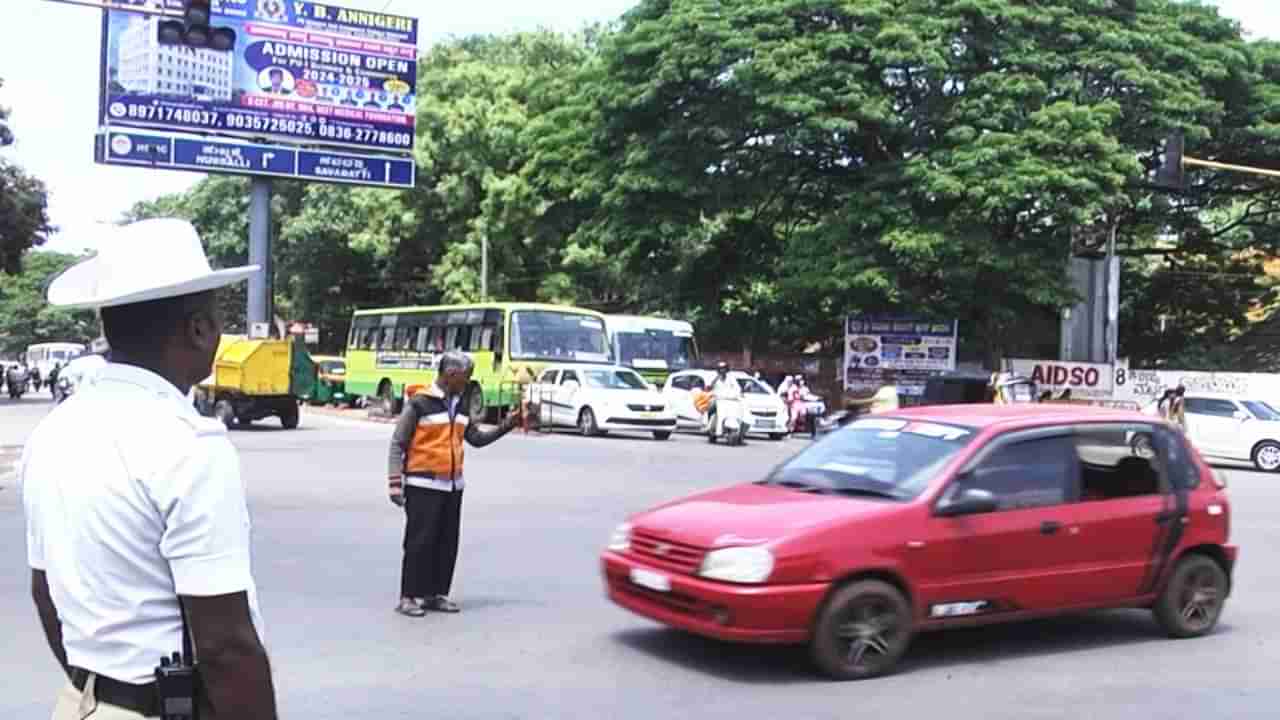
point(131, 499)
point(84, 370)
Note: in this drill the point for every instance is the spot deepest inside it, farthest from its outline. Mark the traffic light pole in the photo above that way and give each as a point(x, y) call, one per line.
point(260, 296)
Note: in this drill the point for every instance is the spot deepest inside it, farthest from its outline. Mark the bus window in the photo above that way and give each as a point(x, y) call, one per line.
point(458, 337)
point(404, 338)
point(387, 339)
point(421, 337)
point(482, 337)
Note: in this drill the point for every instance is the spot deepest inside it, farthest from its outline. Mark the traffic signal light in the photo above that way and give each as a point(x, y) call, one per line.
point(1170, 174)
point(194, 29)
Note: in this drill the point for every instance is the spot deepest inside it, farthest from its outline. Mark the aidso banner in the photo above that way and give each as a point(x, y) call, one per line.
point(1086, 381)
point(299, 71)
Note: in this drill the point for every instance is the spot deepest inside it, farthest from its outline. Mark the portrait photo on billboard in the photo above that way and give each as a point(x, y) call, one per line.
point(298, 72)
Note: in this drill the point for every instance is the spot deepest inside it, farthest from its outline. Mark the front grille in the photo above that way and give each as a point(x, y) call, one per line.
point(645, 408)
point(675, 556)
point(643, 422)
point(672, 600)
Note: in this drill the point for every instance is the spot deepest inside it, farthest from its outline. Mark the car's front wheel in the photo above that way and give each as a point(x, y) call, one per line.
point(862, 631)
point(1266, 456)
point(661, 434)
point(1192, 601)
point(587, 423)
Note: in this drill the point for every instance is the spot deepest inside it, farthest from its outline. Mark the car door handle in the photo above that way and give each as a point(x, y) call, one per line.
point(1049, 527)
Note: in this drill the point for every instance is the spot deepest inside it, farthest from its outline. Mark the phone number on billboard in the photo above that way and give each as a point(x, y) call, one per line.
point(273, 125)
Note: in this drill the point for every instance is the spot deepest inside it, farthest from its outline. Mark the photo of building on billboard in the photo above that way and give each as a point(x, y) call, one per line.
point(299, 72)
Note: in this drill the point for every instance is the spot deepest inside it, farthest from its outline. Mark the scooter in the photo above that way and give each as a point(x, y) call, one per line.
point(17, 383)
point(726, 422)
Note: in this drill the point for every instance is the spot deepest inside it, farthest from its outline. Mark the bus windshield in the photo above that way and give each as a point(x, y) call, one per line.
point(655, 349)
point(553, 335)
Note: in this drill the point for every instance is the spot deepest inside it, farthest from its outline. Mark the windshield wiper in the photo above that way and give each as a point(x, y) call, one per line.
point(866, 492)
point(793, 484)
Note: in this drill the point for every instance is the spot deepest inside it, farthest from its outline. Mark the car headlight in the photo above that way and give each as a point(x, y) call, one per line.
point(738, 564)
point(620, 539)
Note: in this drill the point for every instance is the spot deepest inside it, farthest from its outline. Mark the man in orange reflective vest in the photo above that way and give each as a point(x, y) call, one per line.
point(425, 478)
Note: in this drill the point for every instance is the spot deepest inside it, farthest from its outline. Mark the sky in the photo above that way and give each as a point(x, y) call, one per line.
point(53, 95)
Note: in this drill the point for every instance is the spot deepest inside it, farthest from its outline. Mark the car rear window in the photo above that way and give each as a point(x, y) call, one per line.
point(888, 457)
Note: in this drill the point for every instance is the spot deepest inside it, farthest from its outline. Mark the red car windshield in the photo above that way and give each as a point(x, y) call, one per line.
point(875, 457)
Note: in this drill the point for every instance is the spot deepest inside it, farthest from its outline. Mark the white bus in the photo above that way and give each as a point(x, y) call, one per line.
point(43, 356)
point(654, 347)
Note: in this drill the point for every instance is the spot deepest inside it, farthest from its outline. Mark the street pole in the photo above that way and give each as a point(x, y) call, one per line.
point(1113, 296)
point(259, 305)
point(484, 266)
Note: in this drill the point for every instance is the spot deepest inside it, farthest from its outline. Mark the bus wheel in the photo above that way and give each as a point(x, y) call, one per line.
point(475, 403)
point(387, 396)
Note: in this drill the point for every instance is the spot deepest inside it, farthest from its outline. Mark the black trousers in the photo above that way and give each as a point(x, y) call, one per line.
point(433, 522)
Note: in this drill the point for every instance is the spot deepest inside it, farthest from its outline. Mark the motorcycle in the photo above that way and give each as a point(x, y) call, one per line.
point(813, 409)
point(16, 382)
point(727, 422)
point(63, 389)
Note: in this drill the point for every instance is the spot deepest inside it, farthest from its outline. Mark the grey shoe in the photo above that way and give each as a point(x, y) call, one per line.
point(410, 608)
point(442, 604)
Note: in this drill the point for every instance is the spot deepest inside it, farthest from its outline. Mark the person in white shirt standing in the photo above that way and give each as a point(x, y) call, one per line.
point(147, 515)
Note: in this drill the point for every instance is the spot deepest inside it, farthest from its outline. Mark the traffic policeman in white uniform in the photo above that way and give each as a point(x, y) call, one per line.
point(135, 506)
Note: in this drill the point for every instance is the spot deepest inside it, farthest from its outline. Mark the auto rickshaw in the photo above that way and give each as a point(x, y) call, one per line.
point(331, 379)
point(965, 389)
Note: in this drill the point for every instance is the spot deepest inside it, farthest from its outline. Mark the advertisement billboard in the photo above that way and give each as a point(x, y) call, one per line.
point(912, 346)
point(165, 151)
point(300, 72)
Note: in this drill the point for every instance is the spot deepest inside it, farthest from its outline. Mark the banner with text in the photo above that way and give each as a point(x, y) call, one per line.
point(300, 72)
point(914, 347)
point(1086, 381)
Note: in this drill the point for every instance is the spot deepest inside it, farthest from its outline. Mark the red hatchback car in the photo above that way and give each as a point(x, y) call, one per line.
point(937, 517)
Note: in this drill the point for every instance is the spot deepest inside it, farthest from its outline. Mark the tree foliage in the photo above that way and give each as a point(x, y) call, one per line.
point(25, 315)
point(762, 167)
point(24, 202)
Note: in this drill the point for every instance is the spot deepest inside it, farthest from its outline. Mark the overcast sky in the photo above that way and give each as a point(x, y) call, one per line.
point(54, 93)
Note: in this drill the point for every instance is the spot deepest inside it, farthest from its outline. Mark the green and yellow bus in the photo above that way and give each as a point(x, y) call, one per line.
point(654, 347)
point(389, 349)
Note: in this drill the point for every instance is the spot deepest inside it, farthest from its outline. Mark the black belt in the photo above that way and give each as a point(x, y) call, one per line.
point(141, 699)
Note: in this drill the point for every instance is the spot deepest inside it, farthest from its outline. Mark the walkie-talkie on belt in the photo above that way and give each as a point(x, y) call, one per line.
point(177, 680)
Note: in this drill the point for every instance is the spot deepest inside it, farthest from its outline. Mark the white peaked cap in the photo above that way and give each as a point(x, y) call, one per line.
point(142, 261)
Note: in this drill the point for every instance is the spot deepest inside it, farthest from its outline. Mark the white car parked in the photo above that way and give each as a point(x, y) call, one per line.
point(766, 412)
point(598, 399)
point(1233, 428)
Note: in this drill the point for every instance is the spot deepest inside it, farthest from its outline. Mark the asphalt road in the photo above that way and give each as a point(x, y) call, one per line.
point(537, 639)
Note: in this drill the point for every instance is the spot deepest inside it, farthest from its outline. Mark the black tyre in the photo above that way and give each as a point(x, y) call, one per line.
point(1266, 456)
point(475, 403)
point(862, 631)
point(587, 423)
point(225, 413)
point(289, 416)
point(1193, 599)
point(661, 434)
point(387, 397)
point(777, 437)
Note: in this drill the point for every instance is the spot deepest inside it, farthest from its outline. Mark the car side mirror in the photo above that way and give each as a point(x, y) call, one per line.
point(970, 501)
point(572, 386)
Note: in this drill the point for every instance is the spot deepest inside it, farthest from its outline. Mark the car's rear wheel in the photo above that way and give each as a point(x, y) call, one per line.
point(1192, 601)
point(862, 631)
point(777, 437)
point(587, 423)
point(1266, 456)
point(661, 434)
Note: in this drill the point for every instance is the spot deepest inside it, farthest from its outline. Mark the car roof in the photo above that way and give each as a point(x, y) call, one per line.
point(1214, 396)
point(1021, 415)
point(586, 366)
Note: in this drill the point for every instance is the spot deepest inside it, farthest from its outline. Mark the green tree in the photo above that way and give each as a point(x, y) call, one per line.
point(24, 203)
point(27, 318)
point(924, 155)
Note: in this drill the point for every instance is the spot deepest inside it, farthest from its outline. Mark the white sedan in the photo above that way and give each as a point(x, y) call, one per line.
point(1232, 428)
point(767, 412)
point(597, 399)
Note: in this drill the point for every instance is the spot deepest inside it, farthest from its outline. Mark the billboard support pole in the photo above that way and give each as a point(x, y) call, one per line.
point(259, 306)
